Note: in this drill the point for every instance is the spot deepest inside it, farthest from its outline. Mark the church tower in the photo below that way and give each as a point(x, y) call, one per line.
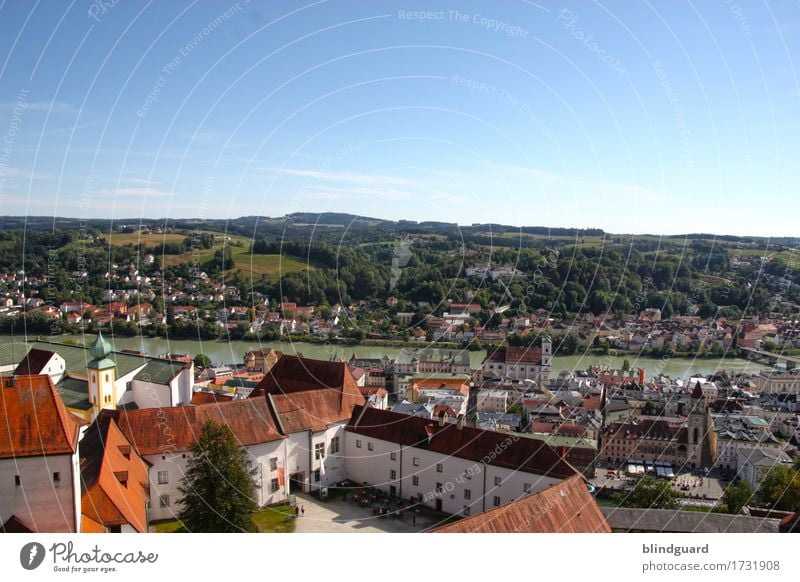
point(697, 428)
point(101, 374)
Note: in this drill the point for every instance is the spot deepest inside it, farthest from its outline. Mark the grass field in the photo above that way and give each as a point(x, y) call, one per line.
point(270, 265)
point(278, 519)
point(132, 238)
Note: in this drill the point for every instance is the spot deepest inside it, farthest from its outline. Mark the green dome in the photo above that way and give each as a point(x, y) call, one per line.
point(100, 348)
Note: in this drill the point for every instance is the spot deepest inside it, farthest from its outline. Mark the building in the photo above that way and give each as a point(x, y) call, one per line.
point(312, 401)
point(521, 363)
point(629, 520)
point(164, 437)
point(566, 507)
point(114, 482)
point(754, 464)
point(39, 463)
point(448, 467)
point(778, 382)
point(261, 360)
point(492, 401)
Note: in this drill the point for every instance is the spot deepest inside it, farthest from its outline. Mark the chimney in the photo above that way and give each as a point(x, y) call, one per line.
point(460, 422)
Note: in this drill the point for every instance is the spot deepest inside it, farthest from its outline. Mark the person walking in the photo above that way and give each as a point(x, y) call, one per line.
point(302, 510)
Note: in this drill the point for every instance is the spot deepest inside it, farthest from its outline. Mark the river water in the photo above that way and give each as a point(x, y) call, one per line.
point(233, 352)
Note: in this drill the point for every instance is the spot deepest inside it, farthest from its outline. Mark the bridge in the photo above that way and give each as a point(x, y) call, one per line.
point(791, 362)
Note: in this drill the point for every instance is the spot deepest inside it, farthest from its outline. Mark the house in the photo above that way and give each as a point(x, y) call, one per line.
point(566, 507)
point(492, 401)
point(753, 464)
point(114, 481)
point(448, 467)
point(312, 402)
point(38, 361)
point(164, 438)
point(521, 363)
point(261, 360)
point(39, 463)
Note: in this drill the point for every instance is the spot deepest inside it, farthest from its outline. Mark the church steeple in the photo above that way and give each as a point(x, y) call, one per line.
point(101, 374)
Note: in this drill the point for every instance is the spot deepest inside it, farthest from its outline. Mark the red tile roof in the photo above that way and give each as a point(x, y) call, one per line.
point(566, 507)
point(309, 394)
point(114, 478)
point(155, 431)
point(528, 455)
point(34, 419)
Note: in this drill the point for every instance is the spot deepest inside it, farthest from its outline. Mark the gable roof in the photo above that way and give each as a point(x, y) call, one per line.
point(309, 394)
point(34, 362)
point(115, 483)
point(34, 419)
point(520, 454)
point(566, 507)
point(154, 431)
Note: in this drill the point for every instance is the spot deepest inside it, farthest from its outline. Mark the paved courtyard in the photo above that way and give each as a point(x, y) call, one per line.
point(339, 515)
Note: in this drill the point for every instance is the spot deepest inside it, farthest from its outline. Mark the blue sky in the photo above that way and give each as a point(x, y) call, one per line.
point(634, 117)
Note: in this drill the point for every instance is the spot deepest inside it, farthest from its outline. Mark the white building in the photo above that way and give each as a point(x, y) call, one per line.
point(754, 464)
point(448, 467)
point(39, 464)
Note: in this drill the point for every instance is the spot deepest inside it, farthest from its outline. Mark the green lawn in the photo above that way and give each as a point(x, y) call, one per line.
point(278, 519)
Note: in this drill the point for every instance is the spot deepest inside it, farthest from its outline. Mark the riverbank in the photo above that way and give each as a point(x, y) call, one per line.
point(232, 352)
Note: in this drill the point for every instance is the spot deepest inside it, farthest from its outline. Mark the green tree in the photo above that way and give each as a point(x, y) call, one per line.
point(217, 489)
point(649, 493)
point(202, 360)
point(780, 489)
point(626, 365)
point(736, 497)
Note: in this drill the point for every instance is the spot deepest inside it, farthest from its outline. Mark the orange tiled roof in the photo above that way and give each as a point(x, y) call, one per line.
point(114, 478)
point(566, 507)
point(155, 431)
point(35, 420)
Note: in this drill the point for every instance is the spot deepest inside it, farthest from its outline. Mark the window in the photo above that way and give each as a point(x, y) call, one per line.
point(316, 476)
point(319, 451)
point(274, 485)
point(466, 510)
point(496, 501)
point(106, 377)
point(526, 488)
point(358, 444)
point(415, 480)
point(334, 445)
point(163, 477)
point(416, 461)
point(163, 501)
point(439, 468)
point(392, 474)
point(129, 386)
point(438, 488)
point(370, 446)
point(273, 463)
point(393, 456)
point(56, 477)
point(497, 481)
point(467, 494)
point(17, 480)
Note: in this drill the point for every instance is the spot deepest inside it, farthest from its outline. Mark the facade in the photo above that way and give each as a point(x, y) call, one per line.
point(492, 401)
point(754, 464)
point(521, 363)
point(261, 360)
point(448, 467)
point(39, 462)
point(779, 382)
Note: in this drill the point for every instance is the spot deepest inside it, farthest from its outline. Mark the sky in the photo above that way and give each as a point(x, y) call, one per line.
point(634, 117)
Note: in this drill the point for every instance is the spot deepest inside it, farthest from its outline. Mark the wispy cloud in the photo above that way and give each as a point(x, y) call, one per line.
point(51, 107)
point(22, 173)
point(347, 177)
point(558, 182)
point(142, 192)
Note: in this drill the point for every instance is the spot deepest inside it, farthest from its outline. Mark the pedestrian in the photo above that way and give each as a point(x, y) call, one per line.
point(303, 510)
point(414, 520)
point(296, 511)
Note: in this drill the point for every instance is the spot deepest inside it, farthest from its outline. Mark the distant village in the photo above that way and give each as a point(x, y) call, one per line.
point(114, 431)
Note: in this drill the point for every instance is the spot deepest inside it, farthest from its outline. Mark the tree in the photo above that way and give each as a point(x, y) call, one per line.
point(736, 497)
point(780, 489)
point(202, 360)
point(218, 486)
point(649, 493)
point(626, 365)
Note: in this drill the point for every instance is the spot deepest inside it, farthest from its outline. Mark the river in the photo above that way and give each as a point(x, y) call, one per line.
point(233, 352)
